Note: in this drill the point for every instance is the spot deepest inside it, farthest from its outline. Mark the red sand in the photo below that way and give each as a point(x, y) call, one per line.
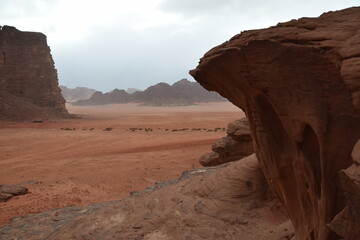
point(82, 166)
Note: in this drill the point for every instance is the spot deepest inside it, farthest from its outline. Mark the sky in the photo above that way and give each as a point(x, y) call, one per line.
point(108, 44)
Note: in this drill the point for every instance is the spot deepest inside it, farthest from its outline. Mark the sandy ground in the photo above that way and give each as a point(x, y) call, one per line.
point(76, 162)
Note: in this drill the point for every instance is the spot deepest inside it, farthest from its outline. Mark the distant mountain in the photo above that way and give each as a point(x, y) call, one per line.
point(75, 94)
point(181, 93)
point(132, 90)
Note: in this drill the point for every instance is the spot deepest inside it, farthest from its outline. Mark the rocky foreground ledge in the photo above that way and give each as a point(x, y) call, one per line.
point(222, 202)
point(299, 84)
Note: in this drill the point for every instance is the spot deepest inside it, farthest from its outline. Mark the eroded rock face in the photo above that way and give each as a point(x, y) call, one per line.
point(236, 145)
point(239, 130)
point(347, 222)
point(27, 72)
point(299, 84)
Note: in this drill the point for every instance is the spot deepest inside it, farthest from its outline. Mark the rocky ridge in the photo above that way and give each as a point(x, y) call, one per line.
point(181, 93)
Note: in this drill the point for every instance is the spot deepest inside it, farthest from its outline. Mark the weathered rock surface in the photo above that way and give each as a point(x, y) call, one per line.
point(28, 76)
point(235, 146)
point(347, 222)
point(239, 130)
point(299, 84)
point(210, 159)
point(9, 191)
point(212, 203)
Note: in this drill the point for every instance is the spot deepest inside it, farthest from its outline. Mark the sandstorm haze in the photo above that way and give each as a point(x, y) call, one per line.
point(111, 44)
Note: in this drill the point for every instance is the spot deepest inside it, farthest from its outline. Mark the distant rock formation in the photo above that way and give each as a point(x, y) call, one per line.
point(28, 79)
point(237, 145)
point(181, 93)
point(76, 94)
point(299, 84)
point(132, 90)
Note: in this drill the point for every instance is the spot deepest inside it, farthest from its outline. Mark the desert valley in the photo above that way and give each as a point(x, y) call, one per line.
point(76, 162)
point(264, 145)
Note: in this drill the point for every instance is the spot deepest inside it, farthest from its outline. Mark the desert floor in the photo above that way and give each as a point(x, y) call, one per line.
point(77, 162)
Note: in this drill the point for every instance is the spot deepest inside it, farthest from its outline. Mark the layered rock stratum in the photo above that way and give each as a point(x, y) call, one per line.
point(28, 79)
point(235, 146)
point(299, 84)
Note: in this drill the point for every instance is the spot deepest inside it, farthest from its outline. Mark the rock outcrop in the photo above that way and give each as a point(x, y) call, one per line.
point(28, 76)
point(347, 222)
point(299, 84)
point(237, 145)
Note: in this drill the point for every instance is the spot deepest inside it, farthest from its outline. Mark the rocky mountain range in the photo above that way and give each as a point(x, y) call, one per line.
point(181, 93)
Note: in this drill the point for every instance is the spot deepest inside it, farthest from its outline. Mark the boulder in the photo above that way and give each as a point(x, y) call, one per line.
point(239, 130)
point(9, 191)
point(299, 84)
point(231, 150)
point(210, 159)
point(237, 145)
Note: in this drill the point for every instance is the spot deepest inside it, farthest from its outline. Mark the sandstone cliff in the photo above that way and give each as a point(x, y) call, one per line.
point(299, 84)
point(28, 79)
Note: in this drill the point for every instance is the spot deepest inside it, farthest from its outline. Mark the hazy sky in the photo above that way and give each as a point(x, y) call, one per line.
point(107, 44)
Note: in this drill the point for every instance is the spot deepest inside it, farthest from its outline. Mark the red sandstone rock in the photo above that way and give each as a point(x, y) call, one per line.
point(210, 159)
point(239, 130)
point(9, 191)
point(299, 84)
point(237, 145)
point(27, 74)
point(347, 222)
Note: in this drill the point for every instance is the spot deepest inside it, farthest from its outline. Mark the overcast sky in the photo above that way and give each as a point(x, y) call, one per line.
point(107, 44)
